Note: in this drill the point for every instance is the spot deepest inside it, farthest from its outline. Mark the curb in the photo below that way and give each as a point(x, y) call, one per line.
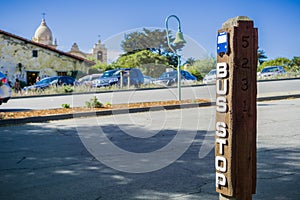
point(125, 111)
point(37, 119)
point(281, 97)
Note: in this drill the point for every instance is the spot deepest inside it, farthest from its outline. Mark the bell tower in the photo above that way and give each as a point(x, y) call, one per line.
point(100, 52)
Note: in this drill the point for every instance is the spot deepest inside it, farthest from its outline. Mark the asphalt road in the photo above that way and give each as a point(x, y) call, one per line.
point(204, 92)
point(153, 155)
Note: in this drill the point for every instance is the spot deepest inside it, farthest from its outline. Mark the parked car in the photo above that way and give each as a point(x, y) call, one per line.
point(170, 78)
point(51, 81)
point(210, 77)
point(64, 80)
point(271, 71)
point(148, 80)
point(5, 89)
point(113, 77)
point(88, 79)
point(105, 79)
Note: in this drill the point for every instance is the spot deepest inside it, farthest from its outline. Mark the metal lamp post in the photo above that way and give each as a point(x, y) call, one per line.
point(178, 39)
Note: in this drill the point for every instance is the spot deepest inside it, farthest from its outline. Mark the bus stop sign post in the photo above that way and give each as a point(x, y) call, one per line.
point(236, 115)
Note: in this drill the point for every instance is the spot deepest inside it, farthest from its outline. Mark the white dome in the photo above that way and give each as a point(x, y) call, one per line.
point(43, 34)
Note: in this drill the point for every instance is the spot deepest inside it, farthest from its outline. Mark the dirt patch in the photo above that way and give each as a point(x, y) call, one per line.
point(35, 113)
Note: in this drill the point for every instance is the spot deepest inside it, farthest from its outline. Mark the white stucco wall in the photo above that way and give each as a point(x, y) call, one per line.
point(14, 51)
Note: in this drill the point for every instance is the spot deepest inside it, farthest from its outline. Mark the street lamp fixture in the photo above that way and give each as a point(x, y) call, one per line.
point(178, 39)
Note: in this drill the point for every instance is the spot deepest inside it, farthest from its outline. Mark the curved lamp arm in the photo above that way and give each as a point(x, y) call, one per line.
point(167, 31)
point(178, 58)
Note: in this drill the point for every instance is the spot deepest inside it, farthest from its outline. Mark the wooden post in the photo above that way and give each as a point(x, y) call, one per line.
point(121, 79)
point(235, 144)
point(128, 79)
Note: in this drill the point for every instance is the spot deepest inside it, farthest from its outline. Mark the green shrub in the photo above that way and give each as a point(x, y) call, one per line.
point(93, 103)
point(68, 89)
point(196, 73)
point(65, 105)
point(107, 104)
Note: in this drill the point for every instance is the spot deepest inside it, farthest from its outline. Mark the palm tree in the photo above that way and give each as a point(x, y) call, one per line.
point(261, 54)
point(190, 61)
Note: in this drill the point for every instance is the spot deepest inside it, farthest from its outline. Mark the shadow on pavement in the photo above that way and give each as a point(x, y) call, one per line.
point(49, 162)
point(46, 161)
point(278, 173)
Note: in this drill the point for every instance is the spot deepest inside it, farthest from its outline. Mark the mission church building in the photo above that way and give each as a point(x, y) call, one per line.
point(27, 59)
point(99, 52)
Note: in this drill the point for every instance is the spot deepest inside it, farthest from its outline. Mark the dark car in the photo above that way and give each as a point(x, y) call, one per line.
point(51, 81)
point(106, 79)
point(170, 78)
point(64, 80)
point(113, 77)
point(88, 79)
point(5, 89)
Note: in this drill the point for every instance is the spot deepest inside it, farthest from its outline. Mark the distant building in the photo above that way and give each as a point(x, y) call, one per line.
point(99, 52)
point(27, 59)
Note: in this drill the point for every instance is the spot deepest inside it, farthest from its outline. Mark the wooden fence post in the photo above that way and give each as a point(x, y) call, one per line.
point(235, 139)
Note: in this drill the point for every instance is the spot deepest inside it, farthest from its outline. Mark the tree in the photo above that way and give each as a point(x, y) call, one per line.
point(285, 62)
point(190, 61)
point(154, 41)
point(295, 64)
point(151, 64)
point(196, 73)
point(296, 61)
point(261, 54)
point(201, 67)
point(98, 66)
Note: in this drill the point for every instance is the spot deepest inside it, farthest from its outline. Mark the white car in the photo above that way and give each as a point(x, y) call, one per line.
point(210, 78)
point(5, 89)
point(148, 80)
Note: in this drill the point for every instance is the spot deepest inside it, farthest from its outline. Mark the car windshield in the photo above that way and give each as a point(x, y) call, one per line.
point(95, 76)
point(108, 74)
point(213, 72)
point(270, 69)
point(117, 73)
point(85, 78)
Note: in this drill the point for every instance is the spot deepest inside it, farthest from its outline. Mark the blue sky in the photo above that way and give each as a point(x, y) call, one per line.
point(82, 21)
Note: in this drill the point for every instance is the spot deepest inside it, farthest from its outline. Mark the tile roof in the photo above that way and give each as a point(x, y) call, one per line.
point(46, 47)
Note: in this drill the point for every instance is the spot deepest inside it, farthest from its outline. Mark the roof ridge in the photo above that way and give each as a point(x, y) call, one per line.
point(45, 46)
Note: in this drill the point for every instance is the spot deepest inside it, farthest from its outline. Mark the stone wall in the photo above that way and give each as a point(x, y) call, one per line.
point(17, 59)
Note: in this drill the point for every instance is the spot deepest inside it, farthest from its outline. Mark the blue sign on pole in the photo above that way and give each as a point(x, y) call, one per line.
point(222, 43)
